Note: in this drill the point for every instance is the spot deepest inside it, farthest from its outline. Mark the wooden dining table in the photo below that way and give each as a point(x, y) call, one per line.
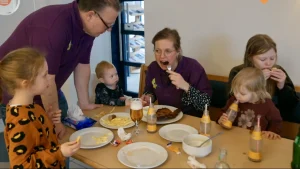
point(275, 153)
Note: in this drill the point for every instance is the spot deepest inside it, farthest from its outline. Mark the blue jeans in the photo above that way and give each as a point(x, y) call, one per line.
point(63, 106)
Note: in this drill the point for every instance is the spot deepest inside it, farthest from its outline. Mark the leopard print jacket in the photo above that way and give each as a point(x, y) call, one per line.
point(30, 138)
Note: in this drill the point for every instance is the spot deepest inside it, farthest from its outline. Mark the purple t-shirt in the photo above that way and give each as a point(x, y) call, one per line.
point(157, 81)
point(57, 31)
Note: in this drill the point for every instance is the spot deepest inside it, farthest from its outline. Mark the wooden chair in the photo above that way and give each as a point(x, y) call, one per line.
point(143, 74)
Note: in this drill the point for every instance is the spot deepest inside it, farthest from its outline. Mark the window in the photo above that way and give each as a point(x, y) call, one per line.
point(129, 36)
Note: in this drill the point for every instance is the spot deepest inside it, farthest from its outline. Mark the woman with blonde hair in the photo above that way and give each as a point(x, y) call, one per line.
point(261, 52)
point(249, 89)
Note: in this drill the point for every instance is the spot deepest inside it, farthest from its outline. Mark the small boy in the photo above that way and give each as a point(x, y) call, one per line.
point(108, 91)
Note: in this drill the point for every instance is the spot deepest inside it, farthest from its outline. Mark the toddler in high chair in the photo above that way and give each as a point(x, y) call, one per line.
point(29, 133)
point(249, 89)
point(108, 91)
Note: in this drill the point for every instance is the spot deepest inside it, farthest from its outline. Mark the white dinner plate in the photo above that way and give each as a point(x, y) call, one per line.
point(176, 132)
point(177, 118)
point(90, 135)
point(142, 155)
point(118, 114)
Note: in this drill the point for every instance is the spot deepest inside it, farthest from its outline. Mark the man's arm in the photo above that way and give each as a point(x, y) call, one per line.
point(50, 98)
point(81, 80)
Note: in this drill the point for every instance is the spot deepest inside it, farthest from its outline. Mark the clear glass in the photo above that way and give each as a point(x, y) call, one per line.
point(132, 75)
point(136, 113)
point(222, 159)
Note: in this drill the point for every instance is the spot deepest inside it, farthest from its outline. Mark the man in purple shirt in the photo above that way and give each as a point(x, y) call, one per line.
point(65, 33)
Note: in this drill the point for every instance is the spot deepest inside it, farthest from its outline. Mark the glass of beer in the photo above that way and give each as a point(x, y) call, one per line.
point(136, 112)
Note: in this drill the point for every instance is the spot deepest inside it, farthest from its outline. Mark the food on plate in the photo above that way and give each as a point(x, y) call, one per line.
point(101, 139)
point(112, 116)
point(165, 114)
point(118, 121)
point(78, 138)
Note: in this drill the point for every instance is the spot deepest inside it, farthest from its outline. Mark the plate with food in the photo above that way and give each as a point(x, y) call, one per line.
point(176, 132)
point(116, 120)
point(92, 137)
point(165, 114)
point(142, 155)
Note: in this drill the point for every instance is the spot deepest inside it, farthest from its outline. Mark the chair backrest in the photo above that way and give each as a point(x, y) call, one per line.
point(143, 74)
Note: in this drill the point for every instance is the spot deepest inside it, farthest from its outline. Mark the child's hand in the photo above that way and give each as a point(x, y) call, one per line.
point(69, 148)
point(270, 135)
point(127, 102)
point(146, 99)
point(122, 98)
point(223, 118)
point(55, 116)
point(267, 73)
point(279, 76)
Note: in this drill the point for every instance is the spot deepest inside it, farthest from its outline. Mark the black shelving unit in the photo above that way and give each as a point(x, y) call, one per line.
point(128, 32)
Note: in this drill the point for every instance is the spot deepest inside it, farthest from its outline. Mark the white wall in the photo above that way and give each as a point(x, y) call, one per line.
point(101, 49)
point(9, 22)
point(215, 32)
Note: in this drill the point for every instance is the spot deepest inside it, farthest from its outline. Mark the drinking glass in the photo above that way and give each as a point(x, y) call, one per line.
point(136, 113)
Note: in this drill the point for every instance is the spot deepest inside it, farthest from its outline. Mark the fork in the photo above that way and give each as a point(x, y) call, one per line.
point(169, 67)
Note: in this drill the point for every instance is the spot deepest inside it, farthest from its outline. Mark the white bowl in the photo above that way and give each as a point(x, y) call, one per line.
point(190, 142)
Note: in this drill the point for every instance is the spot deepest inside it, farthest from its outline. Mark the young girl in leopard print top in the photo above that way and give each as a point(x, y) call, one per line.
point(249, 88)
point(29, 133)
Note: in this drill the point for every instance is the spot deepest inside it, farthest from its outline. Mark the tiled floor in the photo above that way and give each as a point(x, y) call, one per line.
point(78, 164)
point(73, 162)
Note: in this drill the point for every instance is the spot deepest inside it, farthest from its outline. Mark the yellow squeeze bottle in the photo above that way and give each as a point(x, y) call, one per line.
point(254, 153)
point(205, 123)
point(231, 114)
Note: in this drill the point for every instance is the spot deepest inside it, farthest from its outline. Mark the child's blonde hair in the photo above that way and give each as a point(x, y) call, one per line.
point(102, 67)
point(20, 64)
point(253, 80)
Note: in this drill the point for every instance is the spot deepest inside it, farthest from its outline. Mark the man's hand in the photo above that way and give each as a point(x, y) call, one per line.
point(60, 130)
point(89, 106)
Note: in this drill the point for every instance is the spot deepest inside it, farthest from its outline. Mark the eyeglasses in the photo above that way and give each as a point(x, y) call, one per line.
point(107, 27)
point(167, 52)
